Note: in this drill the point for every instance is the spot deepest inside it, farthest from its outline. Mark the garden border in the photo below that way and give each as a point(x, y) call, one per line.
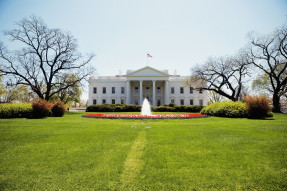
point(138, 116)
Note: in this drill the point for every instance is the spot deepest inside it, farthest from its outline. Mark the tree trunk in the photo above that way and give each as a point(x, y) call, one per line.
point(47, 98)
point(276, 103)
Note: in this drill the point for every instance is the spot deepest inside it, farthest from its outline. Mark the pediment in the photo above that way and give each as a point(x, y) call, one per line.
point(147, 72)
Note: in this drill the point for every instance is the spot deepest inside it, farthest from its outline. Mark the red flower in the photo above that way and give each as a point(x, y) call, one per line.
point(157, 116)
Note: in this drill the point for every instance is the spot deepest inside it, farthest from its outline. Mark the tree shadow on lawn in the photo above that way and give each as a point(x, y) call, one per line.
point(260, 119)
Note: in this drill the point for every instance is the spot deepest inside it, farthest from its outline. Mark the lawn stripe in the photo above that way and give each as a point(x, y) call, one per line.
point(133, 162)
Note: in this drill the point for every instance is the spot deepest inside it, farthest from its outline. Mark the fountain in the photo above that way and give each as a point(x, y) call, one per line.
point(146, 108)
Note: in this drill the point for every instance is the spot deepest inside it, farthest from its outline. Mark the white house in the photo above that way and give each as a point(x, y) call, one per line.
point(156, 85)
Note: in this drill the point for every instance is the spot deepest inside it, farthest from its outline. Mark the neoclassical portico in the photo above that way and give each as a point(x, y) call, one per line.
point(147, 79)
point(144, 91)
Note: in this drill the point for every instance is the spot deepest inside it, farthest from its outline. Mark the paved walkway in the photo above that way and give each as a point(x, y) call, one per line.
point(73, 109)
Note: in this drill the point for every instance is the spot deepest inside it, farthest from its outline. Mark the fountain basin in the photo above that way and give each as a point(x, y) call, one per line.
point(134, 116)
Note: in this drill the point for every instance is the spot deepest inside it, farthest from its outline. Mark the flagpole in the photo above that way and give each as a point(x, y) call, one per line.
point(147, 58)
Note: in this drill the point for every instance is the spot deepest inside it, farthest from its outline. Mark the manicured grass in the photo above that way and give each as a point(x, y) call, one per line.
point(75, 153)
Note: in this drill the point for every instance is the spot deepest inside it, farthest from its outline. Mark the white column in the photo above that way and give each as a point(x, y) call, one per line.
point(153, 93)
point(166, 92)
point(128, 92)
point(141, 92)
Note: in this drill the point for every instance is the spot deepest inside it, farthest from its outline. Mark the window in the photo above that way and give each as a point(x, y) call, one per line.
point(172, 90)
point(200, 90)
point(104, 90)
point(104, 101)
point(147, 90)
point(136, 101)
point(181, 90)
point(94, 101)
point(158, 90)
point(122, 101)
point(191, 102)
point(113, 90)
point(95, 90)
point(201, 102)
point(172, 101)
point(136, 90)
point(158, 102)
point(182, 102)
point(191, 90)
point(122, 90)
point(113, 101)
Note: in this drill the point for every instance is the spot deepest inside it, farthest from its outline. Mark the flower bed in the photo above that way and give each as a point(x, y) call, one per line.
point(157, 116)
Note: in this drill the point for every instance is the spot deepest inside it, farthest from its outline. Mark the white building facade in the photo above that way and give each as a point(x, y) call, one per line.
point(156, 85)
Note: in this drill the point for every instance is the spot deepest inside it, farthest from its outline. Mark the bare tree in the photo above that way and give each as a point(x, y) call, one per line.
point(46, 56)
point(269, 54)
point(224, 76)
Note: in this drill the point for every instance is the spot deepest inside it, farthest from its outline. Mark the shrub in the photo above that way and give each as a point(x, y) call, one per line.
point(179, 108)
point(15, 110)
point(258, 107)
point(193, 108)
point(133, 108)
point(113, 108)
point(41, 108)
point(58, 109)
point(171, 104)
point(225, 109)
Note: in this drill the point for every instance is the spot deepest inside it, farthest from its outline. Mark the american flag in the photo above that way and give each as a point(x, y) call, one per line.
point(148, 55)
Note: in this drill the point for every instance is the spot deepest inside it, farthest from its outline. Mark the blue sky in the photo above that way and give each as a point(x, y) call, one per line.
point(179, 34)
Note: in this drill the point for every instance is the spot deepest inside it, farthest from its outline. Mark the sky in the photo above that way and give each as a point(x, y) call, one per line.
point(179, 34)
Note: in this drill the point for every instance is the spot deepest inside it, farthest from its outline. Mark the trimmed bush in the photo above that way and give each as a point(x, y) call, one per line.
point(113, 108)
point(15, 110)
point(177, 108)
point(58, 109)
point(171, 105)
point(137, 108)
point(162, 108)
point(258, 107)
point(41, 108)
point(226, 109)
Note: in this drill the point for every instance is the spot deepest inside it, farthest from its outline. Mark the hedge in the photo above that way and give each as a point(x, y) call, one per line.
point(37, 109)
point(177, 108)
point(15, 110)
point(113, 108)
point(137, 108)
point(226, 109)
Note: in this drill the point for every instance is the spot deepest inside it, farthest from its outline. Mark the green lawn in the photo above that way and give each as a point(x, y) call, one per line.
point(75, 153)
